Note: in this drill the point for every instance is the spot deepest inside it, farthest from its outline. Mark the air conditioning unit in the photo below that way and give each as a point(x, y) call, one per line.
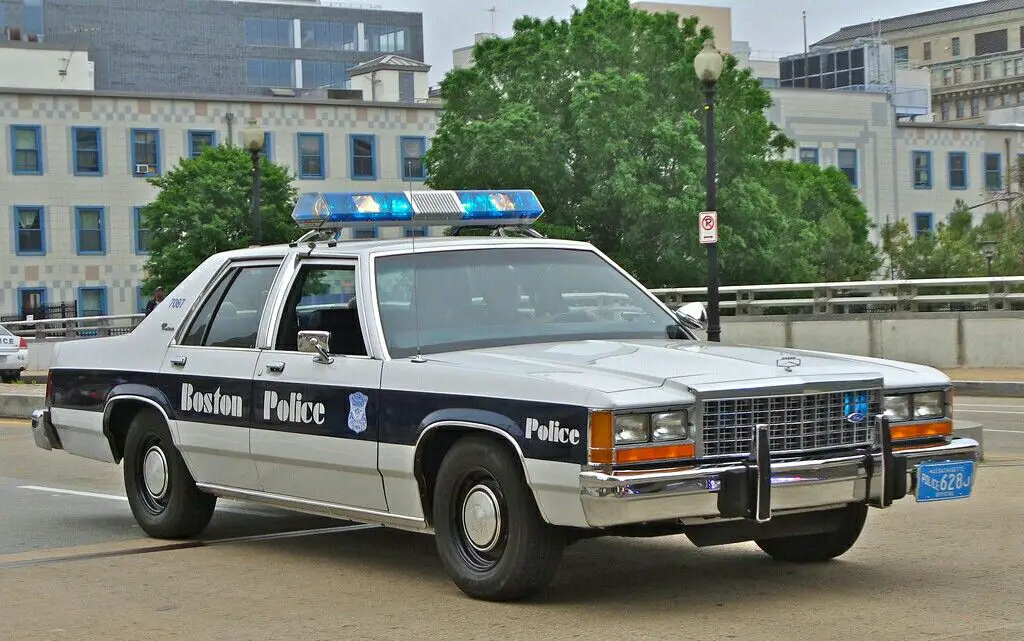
point(142, 170)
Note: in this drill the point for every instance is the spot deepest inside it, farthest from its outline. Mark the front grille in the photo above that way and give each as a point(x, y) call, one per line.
point(796, 422)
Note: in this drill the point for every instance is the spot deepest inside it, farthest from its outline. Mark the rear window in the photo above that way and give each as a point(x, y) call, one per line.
point(4, 332)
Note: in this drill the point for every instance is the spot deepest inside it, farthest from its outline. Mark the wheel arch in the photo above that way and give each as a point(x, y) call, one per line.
point(121, 408)
point(437, 438)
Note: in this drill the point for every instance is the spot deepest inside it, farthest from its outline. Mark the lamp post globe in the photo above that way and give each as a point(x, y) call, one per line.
point(252, 136)
point(709, 63)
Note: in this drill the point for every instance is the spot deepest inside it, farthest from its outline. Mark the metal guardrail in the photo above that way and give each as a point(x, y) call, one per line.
point(1001, 293)
point(77, 327)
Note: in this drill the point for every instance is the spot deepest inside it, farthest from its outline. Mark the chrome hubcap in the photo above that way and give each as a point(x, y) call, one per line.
point(154, 472)
point(481, 518)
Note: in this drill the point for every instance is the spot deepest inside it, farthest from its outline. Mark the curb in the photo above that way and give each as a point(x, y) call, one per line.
point(19, 406)
point(1008, 389)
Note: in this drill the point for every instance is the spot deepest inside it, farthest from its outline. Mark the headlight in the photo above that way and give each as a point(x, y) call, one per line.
point(632, 428)
point(670, 426)
point(930, 405)
point(897, 407)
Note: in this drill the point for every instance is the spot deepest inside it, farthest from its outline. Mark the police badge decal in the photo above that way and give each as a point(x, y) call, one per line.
point(357, 412)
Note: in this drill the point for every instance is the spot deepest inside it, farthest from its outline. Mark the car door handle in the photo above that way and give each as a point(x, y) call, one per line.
point(179, 361)
point(275, 367)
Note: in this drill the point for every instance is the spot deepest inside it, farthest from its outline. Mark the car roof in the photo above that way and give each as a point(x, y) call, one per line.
point(365, 248)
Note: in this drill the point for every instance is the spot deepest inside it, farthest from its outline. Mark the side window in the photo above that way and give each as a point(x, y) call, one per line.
point(230, 317)
point(324, 299)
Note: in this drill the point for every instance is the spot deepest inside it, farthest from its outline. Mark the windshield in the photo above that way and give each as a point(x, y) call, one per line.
point(466, 299)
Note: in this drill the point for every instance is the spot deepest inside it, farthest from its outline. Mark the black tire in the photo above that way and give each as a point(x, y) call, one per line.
point(523, 554)
point(818, 548)
point(180, 510)
point(8, 378)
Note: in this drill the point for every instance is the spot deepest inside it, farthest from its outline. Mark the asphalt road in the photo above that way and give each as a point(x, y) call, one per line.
point(920, 571)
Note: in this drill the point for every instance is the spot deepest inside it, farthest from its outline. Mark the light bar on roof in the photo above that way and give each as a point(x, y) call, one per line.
point(336, 210)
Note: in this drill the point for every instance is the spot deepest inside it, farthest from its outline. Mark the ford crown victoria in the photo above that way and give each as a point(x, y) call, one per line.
point(507, 393)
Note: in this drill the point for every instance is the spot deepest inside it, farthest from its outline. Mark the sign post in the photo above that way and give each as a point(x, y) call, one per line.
point(708, 225)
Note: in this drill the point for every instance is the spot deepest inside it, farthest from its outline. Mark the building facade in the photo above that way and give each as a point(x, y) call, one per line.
point(74, 167)
point(216, 47)
point(914, 172)
point(973, 51)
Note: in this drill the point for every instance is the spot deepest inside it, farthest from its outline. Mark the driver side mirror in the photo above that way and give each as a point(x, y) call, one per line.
point(316, 342)
point(693, 315)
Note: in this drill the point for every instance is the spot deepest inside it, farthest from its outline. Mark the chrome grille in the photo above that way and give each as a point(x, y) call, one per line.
point(796, 422)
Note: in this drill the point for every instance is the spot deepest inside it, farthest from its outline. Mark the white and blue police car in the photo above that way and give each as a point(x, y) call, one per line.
point(508, 393)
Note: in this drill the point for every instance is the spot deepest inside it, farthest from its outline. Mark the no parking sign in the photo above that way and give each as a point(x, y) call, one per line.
point(708, 224)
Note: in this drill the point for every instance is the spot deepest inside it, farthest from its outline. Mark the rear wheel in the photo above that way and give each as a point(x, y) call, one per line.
point(10, 377)
point(161, 491)
point(817, 548)
point(489, 533)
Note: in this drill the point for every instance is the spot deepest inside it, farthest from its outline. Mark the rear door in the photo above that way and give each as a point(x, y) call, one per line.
point(208, 374)
point(315, 431)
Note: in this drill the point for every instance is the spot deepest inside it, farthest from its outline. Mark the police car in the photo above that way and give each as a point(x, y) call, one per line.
point(507, 393)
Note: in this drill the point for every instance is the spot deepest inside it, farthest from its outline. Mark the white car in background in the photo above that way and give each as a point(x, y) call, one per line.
point(13, 356)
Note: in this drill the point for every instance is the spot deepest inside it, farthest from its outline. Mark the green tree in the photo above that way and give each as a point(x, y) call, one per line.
point(953, 250)
point(601, 115)
point(203, 208)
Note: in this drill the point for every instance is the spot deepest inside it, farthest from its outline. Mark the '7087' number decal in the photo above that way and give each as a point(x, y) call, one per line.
point(176, 303)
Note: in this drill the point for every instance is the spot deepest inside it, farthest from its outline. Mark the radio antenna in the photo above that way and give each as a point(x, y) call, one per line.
point(415, 299)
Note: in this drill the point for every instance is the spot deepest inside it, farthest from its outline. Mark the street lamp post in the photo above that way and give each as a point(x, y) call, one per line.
point(708, 65)
point(988, 248)
point(253, 138)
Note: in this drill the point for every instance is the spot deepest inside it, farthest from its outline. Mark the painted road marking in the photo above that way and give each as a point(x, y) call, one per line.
point(1021, 432)
point(115, 497)
point(1002, 406)
point(987, 412)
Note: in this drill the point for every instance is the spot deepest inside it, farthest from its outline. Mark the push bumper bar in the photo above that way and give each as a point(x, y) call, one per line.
point(758, 488)
point(43, 432)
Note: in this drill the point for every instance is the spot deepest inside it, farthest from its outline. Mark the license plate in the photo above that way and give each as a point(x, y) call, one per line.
point(944, 481)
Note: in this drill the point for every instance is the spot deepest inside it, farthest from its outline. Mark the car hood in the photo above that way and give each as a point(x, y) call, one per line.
point(617, 366)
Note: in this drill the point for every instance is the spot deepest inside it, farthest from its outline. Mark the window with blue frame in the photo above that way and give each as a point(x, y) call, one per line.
point(311, 156)
point(140, 300)
point(26, 149)
point(413, 150)
point(809, 155)
point(364, 161)
point(92, 301)
point(923, 224)
point(141, 231)
point(268, 146)
point(922, 169)
point(90, 232)
point(29, 231)
point(993, 172)
point(87, 150)
point(31, 300)
point(957, 170)
point(847, 161)
point(145, 152)
point(200, 140)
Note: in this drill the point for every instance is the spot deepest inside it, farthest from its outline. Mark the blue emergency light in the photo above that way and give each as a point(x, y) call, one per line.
point(336, 210)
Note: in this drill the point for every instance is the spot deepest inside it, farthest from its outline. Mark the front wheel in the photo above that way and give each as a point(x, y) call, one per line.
point(489, 533)
point(817, 548)
point(161, 491)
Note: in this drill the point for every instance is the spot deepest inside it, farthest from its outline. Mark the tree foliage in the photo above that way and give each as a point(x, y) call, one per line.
point(203, 208)
point(954, 249)
point(602, 115)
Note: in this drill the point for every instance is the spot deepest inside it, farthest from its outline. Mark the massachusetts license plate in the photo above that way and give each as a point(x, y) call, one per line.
point(944, 481)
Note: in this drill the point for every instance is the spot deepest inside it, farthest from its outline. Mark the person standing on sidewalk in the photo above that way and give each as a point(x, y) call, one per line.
point(158, 296)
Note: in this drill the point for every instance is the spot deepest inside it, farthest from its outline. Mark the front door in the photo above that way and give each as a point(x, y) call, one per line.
point(208, 378)
point(314, 434)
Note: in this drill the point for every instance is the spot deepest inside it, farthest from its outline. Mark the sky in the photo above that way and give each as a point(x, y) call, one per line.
point(773, 27)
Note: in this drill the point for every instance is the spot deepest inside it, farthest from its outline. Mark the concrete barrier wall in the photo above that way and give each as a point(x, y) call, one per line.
point(988, 339)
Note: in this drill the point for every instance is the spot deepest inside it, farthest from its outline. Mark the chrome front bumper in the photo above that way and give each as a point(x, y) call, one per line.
point(43, 432)
point(758, 488)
